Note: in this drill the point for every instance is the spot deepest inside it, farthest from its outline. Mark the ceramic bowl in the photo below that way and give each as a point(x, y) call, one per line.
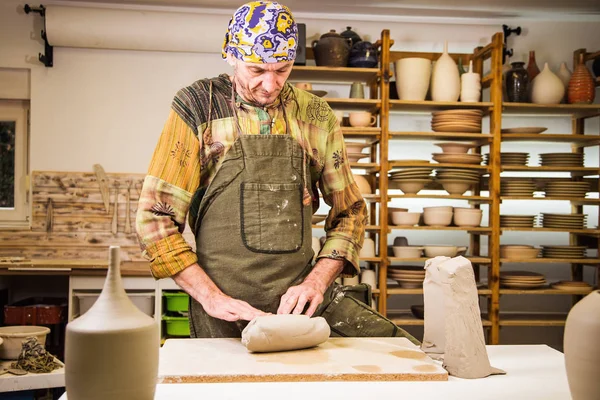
point(445, 251)
point(418, 311)
point(403, 218)
point(14, 336)
point(517, 251)
point(412, 186)
point(363, 184)
point(408, 251)
point(355, 147)
point(455, 148)
point(437, 208)
point(455, 187)
point(467, 218)
point(391, 211)
point(437, 218)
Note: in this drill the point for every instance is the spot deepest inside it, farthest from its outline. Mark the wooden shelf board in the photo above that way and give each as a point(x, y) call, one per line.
point(354, 104)
point(576, 200)
point(546, 290)
point(372, 198)
point(430, 106)
point(579, 170)
point(404, 164)
point(370, 167)
point(400, 291)
point(479, 229)
point(474, 199)
point(372, 228)
point(533, 319)
point(582, 231)
point(370, 134)
point(371, 259)
point(475, 260)
point(540, 260)
point(407, 319)
point(581, 140)
point(481, 138)
point(578, 110)
point(333, 74)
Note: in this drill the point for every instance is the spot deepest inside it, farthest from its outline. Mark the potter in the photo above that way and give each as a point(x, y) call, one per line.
point(243, 155)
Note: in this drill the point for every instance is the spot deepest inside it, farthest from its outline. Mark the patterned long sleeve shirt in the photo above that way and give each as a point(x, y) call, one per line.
point(199, 131)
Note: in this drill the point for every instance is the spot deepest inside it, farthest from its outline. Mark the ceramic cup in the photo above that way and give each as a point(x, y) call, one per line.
point(357, 91)
point(368, 276)
point(368, 249)
point(304, 85)
point(362, 119)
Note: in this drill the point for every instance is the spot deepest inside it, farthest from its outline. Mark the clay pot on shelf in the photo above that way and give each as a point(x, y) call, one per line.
point(350, 34)
point(532, 68)
point(363, 55)
point(547, 88)
point(582, 348)
point(445, 79)
point(582, 88)
point(112, 349)
point(517, 82)
point(331, 50)
point(564, 73)
point(412, 78)
point(470, 89)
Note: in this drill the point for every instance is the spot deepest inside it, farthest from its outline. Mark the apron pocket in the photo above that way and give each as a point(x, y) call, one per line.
point(272, 218)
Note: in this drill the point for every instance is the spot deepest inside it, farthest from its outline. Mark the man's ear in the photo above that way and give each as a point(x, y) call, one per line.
point(231, 60)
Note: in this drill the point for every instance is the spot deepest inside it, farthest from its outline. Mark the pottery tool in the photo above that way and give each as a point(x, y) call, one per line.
point(113, 226)
point(49, 215)
point(128, 209)
point(103, 182)
point(338, 359)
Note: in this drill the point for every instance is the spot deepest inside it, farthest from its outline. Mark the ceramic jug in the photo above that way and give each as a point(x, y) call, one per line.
point(470, 90)
point(547, 88)
point(582, 348)
point(445, 79)
point(111, 351)
point(517, 82)
point(350, 34)
point(331, 50)
point(581, 88)
point(363, 55)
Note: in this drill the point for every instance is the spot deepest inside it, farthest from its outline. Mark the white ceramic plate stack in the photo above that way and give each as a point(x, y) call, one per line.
point(517, 221)
point(410, 180)
point(522, 280)
point(571, 285)
point(457, 121)
point(561, 160)
point(457, 158)
point(518, 251)
point(519, 187)
point(408, 277)
point(566, 189)
point(517, 159)
point(563, 251)
point(563, 221)
point(456, 181)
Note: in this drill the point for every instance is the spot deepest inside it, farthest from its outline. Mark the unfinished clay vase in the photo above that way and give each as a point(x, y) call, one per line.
point(470, 89)
point(112, 350)
point(445, 79)
point(581, 88)
point(582, 348)
point(547, 88)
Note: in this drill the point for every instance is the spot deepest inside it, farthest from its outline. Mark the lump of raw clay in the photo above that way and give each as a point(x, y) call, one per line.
point(464, 352)
point(283, 332)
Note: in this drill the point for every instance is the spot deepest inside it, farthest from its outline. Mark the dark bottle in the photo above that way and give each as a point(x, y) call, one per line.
point(517, 81)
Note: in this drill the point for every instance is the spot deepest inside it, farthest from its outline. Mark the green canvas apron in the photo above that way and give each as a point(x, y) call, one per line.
point(253, 237)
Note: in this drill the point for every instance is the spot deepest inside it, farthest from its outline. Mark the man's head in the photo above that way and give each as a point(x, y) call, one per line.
point(261, 44)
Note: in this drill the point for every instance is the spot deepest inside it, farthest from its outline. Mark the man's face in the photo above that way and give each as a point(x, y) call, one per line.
point(261, 83)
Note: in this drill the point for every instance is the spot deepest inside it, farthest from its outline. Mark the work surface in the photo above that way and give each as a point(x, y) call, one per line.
point(532, 372)
point(338, 359)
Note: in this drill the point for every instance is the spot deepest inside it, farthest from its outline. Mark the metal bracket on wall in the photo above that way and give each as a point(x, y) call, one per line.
point(48, 57)
point(507, 32)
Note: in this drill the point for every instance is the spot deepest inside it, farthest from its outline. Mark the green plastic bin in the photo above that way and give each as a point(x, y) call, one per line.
point(176, 326)
point(177, 301)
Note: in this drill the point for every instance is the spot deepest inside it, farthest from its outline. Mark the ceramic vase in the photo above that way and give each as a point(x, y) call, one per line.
point(445, 79)
point(582, 348)
point(112, 350)
point(412, 78)
point(517, 82)
point(564, 73)
point(582, 88)
point(532, 68)
point(547, 88)
point(470, 86)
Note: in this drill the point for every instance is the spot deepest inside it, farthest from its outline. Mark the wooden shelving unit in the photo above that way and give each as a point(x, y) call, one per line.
point(487, 192)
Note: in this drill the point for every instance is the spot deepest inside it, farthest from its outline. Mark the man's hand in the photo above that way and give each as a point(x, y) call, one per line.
point(313, 288)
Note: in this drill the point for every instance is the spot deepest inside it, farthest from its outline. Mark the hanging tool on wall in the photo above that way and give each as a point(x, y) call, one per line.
point(507, 32)
point(113, 226)
point(128, 209)
point(103, 182)
point(49, 215)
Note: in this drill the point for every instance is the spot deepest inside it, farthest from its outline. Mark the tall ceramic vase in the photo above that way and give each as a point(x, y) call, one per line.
point(564, 73)
point(445, 79)
point(470, 86)
point(412, 78)
point(582, 88)
point(112, 350)
point(582, 348)
point(547, 88)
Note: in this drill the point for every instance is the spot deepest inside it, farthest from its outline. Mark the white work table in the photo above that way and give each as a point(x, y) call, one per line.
point(533, 372)
point(14, 383)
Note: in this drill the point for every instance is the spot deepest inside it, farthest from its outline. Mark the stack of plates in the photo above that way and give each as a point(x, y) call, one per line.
point(517, 221)
point(457, 174)
point(563, 251)
point(526, 129)
point(571, 285)
point(561, 160)
point(457, 121)
point(354, 157)
point(510, 158)
point(522, 279)
point(563, 221)
point(411, 174)
point(457, 158)
point(519, 187)
point(566, 189)
point(408, 277)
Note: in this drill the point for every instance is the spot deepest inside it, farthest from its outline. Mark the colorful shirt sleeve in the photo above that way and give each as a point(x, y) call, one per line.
point(345, 224)
point(173, 177)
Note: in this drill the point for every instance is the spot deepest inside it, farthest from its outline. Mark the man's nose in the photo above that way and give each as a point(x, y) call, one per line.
point(269, 82)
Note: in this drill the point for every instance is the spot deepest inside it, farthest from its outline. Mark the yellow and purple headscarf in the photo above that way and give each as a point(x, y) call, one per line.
point(262, 32)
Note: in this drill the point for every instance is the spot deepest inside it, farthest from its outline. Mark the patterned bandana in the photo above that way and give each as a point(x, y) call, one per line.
point(262, 32)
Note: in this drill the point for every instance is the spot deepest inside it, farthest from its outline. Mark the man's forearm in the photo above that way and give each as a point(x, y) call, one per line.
point(324, 273)
point(195, 282)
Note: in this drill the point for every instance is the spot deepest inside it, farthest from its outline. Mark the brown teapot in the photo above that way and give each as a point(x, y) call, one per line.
point(332, 50)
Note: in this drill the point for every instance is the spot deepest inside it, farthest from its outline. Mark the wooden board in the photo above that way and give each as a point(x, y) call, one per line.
point(338, 359)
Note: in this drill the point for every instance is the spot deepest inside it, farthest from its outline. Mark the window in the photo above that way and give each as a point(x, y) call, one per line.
point(14, 147)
